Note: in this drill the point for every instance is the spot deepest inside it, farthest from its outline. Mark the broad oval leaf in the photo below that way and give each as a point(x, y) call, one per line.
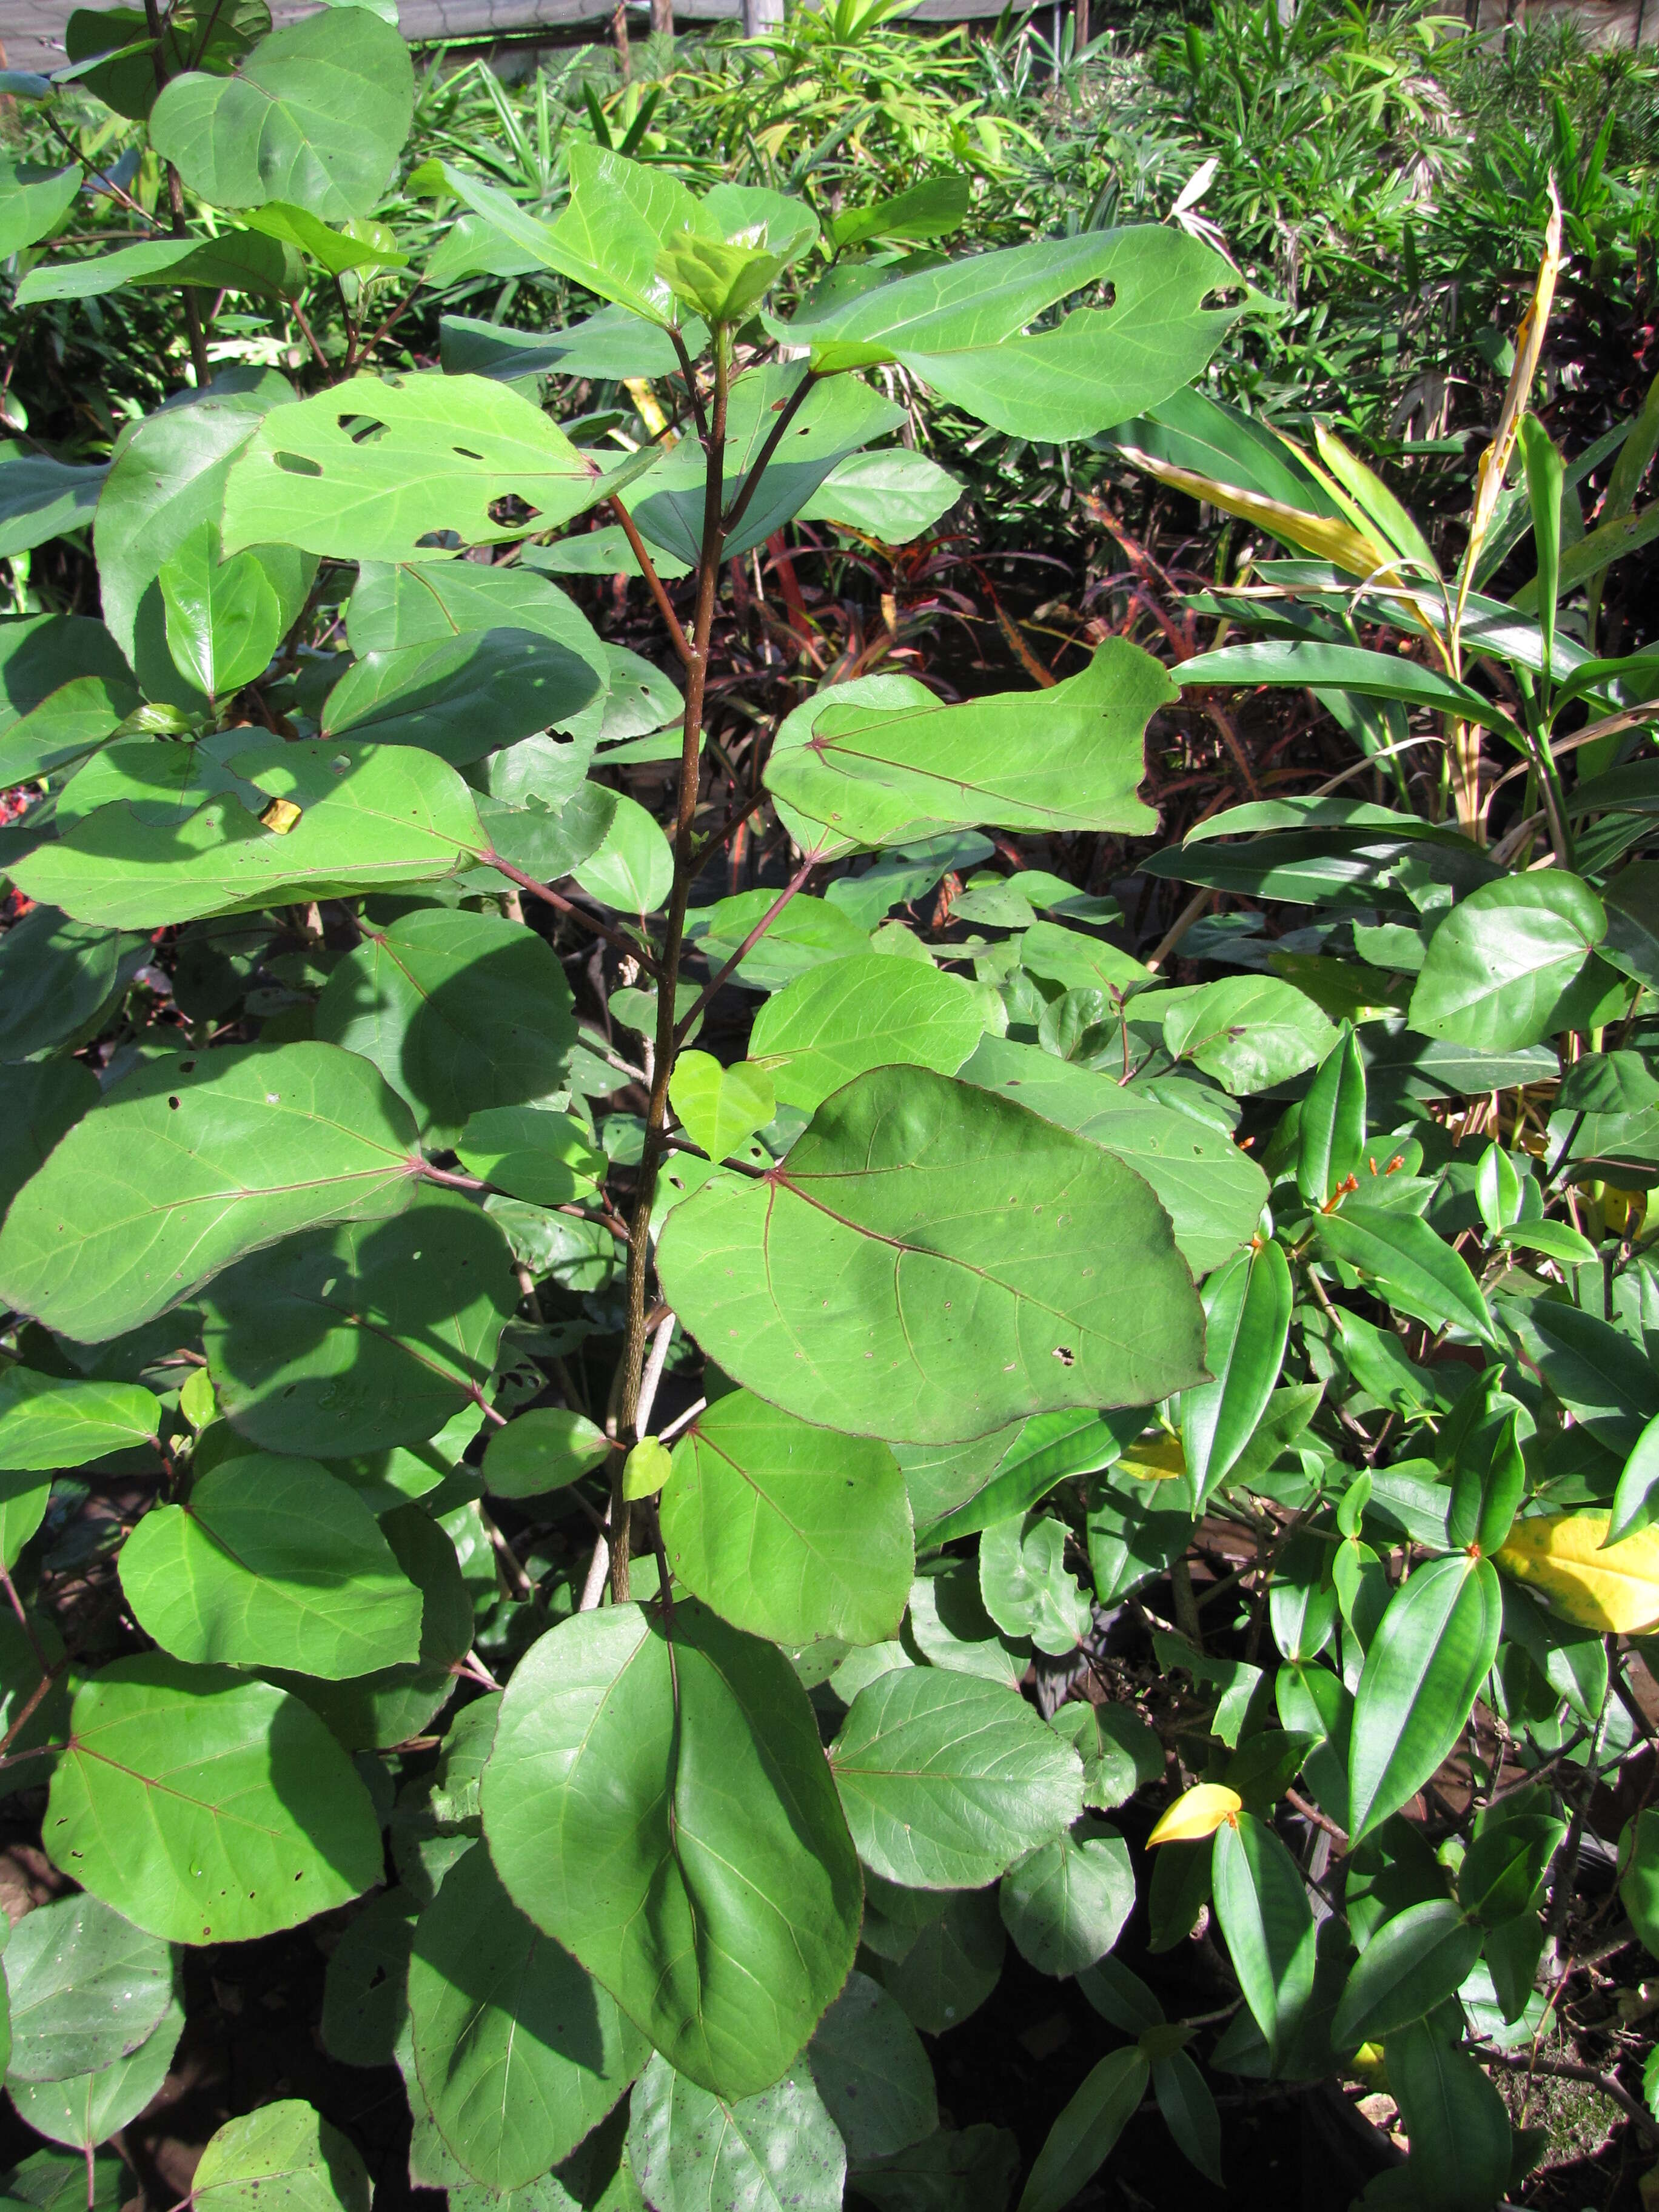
point(1024, 1584)
point(356, 1337)
point(316, 115)
point(86, 1988)
point(788, 1531)
point(720, 1108)
point(271, 1562)
point(543, 1449)
point(873, 2073)
point(463, 697)
point(206, 1807)
point(283, 2151)
point(845, 1016)
point(184, 833)
point(668, 1817)
point(932, 1263)
point(518, 2051)
point(188, 1164)
point(1501, 967)
point(1614, 1587)
point(64, 686)
point(458, 1010)
point(48, 1423)
point(424, 454)
point(1423, 1667)
point(1067, 758)
point(1066, 1903)
point(1250, 1032)
point(86, 2109)
point(691, 2149)
point(946, 1779)
point(1212, 1192)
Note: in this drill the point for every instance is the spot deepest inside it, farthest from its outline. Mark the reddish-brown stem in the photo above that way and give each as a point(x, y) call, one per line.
point(572, 911)
point(746, 489)
point(682, 1030)
point(648, 570)
point(656, 1120)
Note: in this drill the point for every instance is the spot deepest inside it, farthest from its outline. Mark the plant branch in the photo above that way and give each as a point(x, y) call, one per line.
point(1565, 2069)
point(572, 911)
point(746, 489)
point(648, 570)
point(690, 374)
point(718, 979)
point(656, 1120)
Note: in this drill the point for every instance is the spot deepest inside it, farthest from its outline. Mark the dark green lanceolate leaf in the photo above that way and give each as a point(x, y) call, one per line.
point(691, 2149)
point(1011, 1268)
point(1605, 1380)
point(1414, 1269)
point(672, 1822)
point(1639, 1878)
point(352, 1339)
point(190, 1165)
point(872, 2072)
point(1331, 1128)
point(1506, 1863)
point(1025, 1585)
point(1066, 758)
point(205, 1807)
point(48, 1423)
point(1250, 1032)
point(1423, 1668)
point(1460, 2143)
point(272, 1562)
point(1066, 1903)
point(963, 1489)
point(835, 419)
point(86, 2109)
point(518, 2051)
point(176, 835)
point(1213, 1192)
point(1081, 2139)
point(1346, 668)
point(1247, 1307)
point(946, 1779)
point(462, 697)
point(64, 685)
point(960, 328)
point(86, 1988)
point(41, 498)
point(448, 450)
point(1190, 2113)
point(788, 1531)
point(1412, 1963)
point(1509, 965)
point(1302, 1603)
point(316, 115)
point(1262, 1902)
point(458, 1010)
point(845, 1016)
point(284, 2152)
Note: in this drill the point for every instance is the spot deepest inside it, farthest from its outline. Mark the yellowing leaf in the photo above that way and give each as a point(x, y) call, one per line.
point(1157, 1457)
point(1615, 1589)
point(1321, 535)
point(1198, 1814)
